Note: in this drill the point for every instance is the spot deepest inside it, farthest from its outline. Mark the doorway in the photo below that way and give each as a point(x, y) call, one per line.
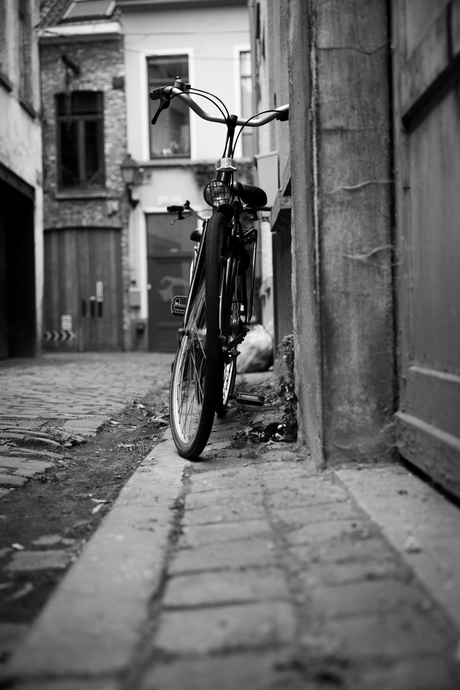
point(169, 254)
point(83, 295)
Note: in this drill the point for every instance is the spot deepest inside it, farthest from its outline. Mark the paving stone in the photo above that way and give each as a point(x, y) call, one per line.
point(24, 463)
point(366, 597)
point(299, 496)
point(277, 475)
point(262, 671)
point(224, 628)
point(375, 550)
point(334, 574)
point(236, 479)
point(223, 556)
point(389, 496)
point(422, 673)
point(330, 529)
point(24, 561)
point(395, 635)
point(10, 480)
point(229, 513)
point(12, 451)
point(27, 473)
point(11, 435)
point(198, 535)
point(316, 513)
point(225, 587)
point(222, 497)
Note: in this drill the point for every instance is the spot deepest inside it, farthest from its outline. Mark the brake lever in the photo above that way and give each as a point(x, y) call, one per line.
point(156, 94)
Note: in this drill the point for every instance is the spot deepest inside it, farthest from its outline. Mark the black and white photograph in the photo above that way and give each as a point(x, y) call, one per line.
point(229, 344)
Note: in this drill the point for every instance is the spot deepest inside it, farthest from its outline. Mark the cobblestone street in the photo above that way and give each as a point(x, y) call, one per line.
point(75, 387)
point(74, 394)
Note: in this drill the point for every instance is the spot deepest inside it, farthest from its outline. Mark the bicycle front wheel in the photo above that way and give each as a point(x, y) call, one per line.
point(197, 371)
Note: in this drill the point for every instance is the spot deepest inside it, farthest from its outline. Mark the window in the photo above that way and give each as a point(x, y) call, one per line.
point(171, 135)
point(246, 100)
point(24, 52)
point(89, 9)
point(80, 140)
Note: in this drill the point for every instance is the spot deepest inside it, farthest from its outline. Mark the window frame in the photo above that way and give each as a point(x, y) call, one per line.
point(152, 105)
point(81, 119)
point(24, 52)
point(247, 135)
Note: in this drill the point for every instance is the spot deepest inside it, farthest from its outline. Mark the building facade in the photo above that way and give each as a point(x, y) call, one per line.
point(206, 44)
point(21, 193)
point(367, 213)
point(86, 253)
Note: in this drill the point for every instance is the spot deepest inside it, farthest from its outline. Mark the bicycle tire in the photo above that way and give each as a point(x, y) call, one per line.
point(198, 363)
point(231, 324)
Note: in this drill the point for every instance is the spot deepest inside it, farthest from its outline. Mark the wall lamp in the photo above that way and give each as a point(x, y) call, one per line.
point(130, 173)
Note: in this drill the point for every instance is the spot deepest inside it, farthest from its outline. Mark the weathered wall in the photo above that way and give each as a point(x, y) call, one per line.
point(342, 237)
point(305, 232)
point(20, 132)
point(100, 62)
point(354, 178)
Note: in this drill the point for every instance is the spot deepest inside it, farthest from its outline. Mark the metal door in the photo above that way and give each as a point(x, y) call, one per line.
point(427, 135)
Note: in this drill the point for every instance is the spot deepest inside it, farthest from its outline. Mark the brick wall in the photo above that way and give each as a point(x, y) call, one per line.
point(101, 66)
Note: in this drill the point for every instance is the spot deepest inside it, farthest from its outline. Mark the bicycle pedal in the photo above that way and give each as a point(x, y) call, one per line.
point(178, 304)
point(250, 399)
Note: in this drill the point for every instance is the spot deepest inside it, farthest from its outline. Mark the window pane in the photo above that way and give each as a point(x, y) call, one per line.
point(94, 175)
point(81, 145)
point(89, 8)
point(69, 154)
point(171, 135)
point(80, 103)
point(163, 70)
point(246, 100)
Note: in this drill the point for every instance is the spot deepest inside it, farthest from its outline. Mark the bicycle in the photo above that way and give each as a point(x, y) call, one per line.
point(218, 308)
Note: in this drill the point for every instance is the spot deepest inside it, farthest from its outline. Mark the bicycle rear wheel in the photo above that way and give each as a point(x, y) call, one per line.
point(197, 371)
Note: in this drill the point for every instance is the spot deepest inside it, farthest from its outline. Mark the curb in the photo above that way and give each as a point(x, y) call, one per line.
point(91, 624)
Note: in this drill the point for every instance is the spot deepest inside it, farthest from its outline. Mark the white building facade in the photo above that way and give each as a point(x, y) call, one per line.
point(208, 45)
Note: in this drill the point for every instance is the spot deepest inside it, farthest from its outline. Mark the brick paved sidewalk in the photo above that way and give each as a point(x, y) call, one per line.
point(243, 572)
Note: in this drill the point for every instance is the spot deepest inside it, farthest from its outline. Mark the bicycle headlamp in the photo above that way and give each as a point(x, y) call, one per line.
point(217, 193)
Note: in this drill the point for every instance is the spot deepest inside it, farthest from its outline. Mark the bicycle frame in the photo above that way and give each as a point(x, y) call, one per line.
point(218, 308)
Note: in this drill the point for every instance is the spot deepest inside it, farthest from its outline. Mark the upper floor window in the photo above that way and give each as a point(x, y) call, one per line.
point(25, 51)
point(80, 139)
point(171, 134)
point(246, 100)
point(89, 9)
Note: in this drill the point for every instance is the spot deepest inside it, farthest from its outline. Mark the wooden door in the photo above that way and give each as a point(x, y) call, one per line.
point(169, 256)
point(427, 132)
point(83, 304)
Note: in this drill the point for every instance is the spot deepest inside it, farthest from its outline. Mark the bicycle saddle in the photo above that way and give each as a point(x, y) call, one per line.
point(251, 195)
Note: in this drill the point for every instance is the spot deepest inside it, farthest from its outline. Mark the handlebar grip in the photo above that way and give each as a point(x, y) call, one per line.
point(174, 209)
point(155, 94)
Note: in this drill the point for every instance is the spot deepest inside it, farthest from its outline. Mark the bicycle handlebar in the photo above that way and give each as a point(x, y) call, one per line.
point(165, 93)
